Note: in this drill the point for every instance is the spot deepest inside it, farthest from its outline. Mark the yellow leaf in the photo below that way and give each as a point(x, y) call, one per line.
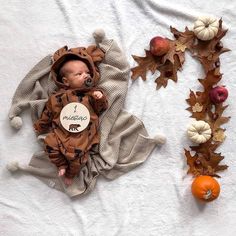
point(180, 47)
point(197, 107)
point(219, 135)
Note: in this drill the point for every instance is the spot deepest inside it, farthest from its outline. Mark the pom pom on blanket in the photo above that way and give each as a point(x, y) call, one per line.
point(16, 122)
point(99, 35)
point(13, 166)
point(160, 139)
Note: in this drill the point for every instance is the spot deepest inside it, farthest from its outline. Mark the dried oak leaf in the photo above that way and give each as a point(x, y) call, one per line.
point(207, 48)
point(168, 65)
point(168, 71)
point(208, 52)
point(202, 98)
point(211, 79)
point(197, 107)
point(186, 38)
point(216, 120)
point(180, 47)
point(174, 55)
point(212, 166)
point(149, 62)
point(207, 148)
point(192, 101)
point(219, 135)
point(209, 160)
point(192, 161)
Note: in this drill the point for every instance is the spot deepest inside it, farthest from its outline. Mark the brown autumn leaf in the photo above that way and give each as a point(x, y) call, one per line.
point(168, 71)
point(186, 38)
point(205, 48)
point(211, 79)
point(149, 62)
point(192, 161)
point(192, 101)
point(211, 165)
point(219, 135)
point(220, 120)
point(205, 161)
point(174, 55)
point(212, 63)
point(202, 108)
point(208, 52)
point(207, 83)
point(197, 107)
point(180, 46)
point(215, 118)
point(168, 65)
point(207, 148)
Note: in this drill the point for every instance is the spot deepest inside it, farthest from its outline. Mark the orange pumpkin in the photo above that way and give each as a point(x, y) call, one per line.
point(205, 188)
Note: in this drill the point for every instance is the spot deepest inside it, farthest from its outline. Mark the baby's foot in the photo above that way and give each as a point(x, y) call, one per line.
point(68, 181)
point(61, 172)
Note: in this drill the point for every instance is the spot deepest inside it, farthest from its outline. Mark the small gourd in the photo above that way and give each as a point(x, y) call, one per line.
point(205, 188)
point(199, 131)
point(206, 27)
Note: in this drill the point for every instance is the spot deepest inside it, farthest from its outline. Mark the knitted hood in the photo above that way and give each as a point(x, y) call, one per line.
point(91, 56)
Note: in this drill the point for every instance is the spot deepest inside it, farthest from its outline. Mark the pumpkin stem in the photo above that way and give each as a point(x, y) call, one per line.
point(208, 194)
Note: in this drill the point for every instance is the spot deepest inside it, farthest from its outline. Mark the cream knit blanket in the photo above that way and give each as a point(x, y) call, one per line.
point(124, 140)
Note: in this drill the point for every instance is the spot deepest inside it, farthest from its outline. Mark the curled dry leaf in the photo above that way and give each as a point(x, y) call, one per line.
point(205, 161)
point(197, 107)
point(219, 135)
point(180, 47)
point(192, 101)
point(149, 62)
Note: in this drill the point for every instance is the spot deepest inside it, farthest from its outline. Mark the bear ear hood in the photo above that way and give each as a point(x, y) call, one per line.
point(91, 56)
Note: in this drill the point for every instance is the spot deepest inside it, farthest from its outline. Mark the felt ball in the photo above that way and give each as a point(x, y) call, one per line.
point(160, 139)
point(16, 122)
point(13, 166)
point(99, 35)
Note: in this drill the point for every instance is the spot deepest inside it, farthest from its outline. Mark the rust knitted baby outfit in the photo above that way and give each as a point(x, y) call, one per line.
point(69, 150)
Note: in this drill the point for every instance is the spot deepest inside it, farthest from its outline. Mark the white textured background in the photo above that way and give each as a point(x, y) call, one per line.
point(155, 198)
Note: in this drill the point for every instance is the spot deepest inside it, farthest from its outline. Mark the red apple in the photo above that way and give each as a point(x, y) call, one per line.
point(159, 46)
point(218, 94)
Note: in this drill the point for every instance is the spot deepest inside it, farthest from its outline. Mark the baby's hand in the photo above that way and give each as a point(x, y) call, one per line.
point(61, 172)
point(97, 94)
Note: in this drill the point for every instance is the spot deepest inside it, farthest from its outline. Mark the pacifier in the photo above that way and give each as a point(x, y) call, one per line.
point(88, 82)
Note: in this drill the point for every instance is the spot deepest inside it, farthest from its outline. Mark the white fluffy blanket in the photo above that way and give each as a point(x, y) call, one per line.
point(153, 199)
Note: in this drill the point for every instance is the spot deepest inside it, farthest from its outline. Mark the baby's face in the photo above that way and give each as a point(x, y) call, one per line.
point(75, 73)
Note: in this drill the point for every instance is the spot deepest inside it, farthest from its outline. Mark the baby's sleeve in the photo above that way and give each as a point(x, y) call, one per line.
point(99, 105)
point(44, 123)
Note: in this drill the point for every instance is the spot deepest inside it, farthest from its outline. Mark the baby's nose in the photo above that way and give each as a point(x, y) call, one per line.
point(86, 75)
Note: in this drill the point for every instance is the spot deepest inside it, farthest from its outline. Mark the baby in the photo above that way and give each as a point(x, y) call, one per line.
point(68, 143)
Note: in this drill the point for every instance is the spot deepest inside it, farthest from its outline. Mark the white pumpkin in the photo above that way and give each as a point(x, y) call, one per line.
point(206, 27)
point(199, 131)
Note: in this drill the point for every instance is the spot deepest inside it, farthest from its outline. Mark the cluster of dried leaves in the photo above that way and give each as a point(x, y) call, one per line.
point(205, 161)
point(167, 65)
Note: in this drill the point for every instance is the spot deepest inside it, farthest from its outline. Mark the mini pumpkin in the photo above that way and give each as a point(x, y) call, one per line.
point(199, 131)
point(206, 27)
point(205, 188)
